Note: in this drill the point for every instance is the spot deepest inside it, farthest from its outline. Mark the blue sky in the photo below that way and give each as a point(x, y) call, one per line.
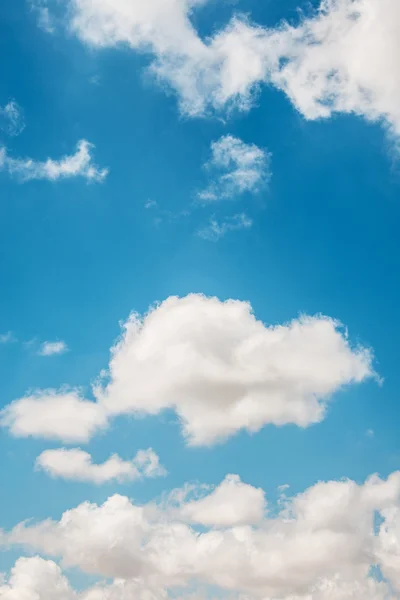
point(316, 233)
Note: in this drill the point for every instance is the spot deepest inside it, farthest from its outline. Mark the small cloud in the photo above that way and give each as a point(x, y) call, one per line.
point(76, 465)
point(12, 119)
point(236, 168)
point(51, 348)
point(95, 80)
point(151, 204)
point(7, 338)
point(79, 164)
point(282, 488)
point(45, 20)
point(215, 230)
point(370, 433)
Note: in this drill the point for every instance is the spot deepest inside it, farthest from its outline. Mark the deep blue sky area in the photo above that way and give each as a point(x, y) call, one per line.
point(76, 258)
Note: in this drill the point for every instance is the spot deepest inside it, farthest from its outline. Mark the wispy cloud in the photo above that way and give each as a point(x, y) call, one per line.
point(217, 229)
point(235, 168)
point(51, 348)
point(79, 164)
point(45, 20)
point(12, 119)
point(7, 338)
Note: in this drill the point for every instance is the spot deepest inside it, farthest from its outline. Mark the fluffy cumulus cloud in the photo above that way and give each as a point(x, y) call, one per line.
point(79, 164)
point(339, 58)
point(222, 370)
point(50, 348)
point(35, 578)
point(57, 415)
point(235, 167)
point(318, 545)
point(75, 464)
point(213, 363)
point(230, 504)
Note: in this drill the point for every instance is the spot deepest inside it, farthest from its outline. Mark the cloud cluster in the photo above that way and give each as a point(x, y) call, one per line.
point(79, 164)
point(236, 167)
point(213, 363)
point(340, 58)
point(320, 545)
point(76, 465)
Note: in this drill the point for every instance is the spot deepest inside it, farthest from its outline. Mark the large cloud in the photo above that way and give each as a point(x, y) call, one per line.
point(221, 370)
point(342, 57)
point(321, 544)
point(213, 363)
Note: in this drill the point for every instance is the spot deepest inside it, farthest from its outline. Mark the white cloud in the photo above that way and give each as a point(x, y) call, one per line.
point(211, 362)
point(12, 119)
point(51, 414)
point(236, 168)
point(221, 370)
point(215, 229)
point(36, 579)
point(76, 465)
point(342, 58)
point(230, 504)
point(50, 348)
point(79, 164)
point(320, 546)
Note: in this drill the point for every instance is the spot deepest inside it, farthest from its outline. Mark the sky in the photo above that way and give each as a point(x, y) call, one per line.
point(199, 267)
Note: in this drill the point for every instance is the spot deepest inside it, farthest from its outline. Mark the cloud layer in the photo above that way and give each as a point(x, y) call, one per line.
point(320, 545)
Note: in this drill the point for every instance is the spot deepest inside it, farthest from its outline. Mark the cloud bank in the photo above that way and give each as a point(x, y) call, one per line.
point(318, 545)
